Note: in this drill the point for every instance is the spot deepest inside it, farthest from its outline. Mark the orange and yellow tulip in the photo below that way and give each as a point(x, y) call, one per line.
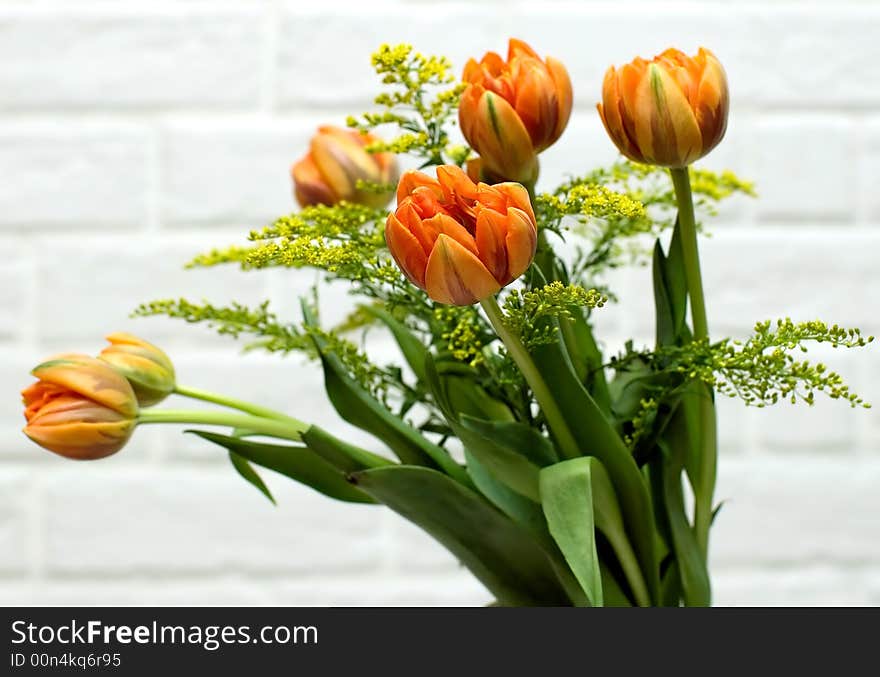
point(458, 240)
point(669, 111)
point(148, 369)
point(336, 160)
point(512, 110)
point(80, 407)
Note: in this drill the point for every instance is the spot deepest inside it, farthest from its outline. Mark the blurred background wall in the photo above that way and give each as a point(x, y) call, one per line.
point(137, 133)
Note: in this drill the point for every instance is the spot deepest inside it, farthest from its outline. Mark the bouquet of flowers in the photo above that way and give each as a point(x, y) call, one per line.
point(554, 472)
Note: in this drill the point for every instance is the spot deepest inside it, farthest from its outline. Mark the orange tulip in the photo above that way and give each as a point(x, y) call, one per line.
point(335, 162)
point(80, 407)
point(670, 111)
point(148, 370)
point(458, 240)
point(512, 110)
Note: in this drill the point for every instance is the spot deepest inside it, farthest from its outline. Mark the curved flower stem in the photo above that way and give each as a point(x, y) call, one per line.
point(702, 411)
point(688, 228)
point(555, 419)
point(222, 400)
point(289, 430)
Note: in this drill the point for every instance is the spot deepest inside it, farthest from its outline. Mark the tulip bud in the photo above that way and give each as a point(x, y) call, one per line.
point(512, 110)
point(148, 369)
point(458, 240)
point(80, 407)
point(670, 111)
point(336, 160)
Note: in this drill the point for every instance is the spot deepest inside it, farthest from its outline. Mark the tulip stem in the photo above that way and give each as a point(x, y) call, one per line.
point(688, 229)
point(289, 430)
point(700, 412)
point(555, 420)
point(224, 401)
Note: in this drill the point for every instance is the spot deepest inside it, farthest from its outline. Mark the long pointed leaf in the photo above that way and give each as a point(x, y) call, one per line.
point(411, 347)
point(692, 569)
point(500, 553)
point(597, 437)
point(507, 466)
point(298, 463)
point(358, 407)
point(243, 468)
point(340, 454)
point(567, 500)
point(520, 509)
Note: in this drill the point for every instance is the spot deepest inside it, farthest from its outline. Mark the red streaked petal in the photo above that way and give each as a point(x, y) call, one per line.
point(490, 238)
point(406, 251)
point(521, 242)
point(455, 276)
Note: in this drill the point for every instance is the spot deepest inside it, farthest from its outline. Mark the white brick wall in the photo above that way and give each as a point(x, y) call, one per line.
point(135, 134)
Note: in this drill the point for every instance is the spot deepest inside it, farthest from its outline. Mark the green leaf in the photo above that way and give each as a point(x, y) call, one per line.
point(339, 454)
point(665, 321)
point(609, 520)
point(522, 510)
point(567, 500)
point(507, 450)
point(466, 396)
point(358, 407)
point(500, 553)
point(586, 359)
point(670, 291)
point(504, 464)
point(520, 438)
point(670, 586)
point(411, 346)
point(676, 283)
point(597, 437)
point(612, 592)
point(692, 569)
point(298, 463)
point(250, 475)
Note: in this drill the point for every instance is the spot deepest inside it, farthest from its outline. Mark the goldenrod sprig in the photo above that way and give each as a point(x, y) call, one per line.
point(526, 311)
point(762, 369)
point(420, 100)
point(611, 207)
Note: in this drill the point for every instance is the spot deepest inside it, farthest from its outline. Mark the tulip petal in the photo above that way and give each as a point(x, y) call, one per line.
point(564, 96)
point(134, 345)
point(502, 140)
point(413, 179)
point(517, 196)
point(90, 378)
point(468, 105)
point(443, 224)
point(675, 122)
point(456, 182)
point(521, 242)
point(536, 102)
point(490, 239)
point(612, 118)
point(492, 63)
point(406, 250)
point(342, 161)
point(666, 129)
point(309, 186)
point(425, 202)
point(518, 48)
point(82, 441)
point(489, 197)
point(409, 217)
point(455, 276)
point(712, 101)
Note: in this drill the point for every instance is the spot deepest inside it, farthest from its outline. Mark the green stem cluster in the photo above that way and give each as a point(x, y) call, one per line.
point(543, 395)
point(254, 418)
